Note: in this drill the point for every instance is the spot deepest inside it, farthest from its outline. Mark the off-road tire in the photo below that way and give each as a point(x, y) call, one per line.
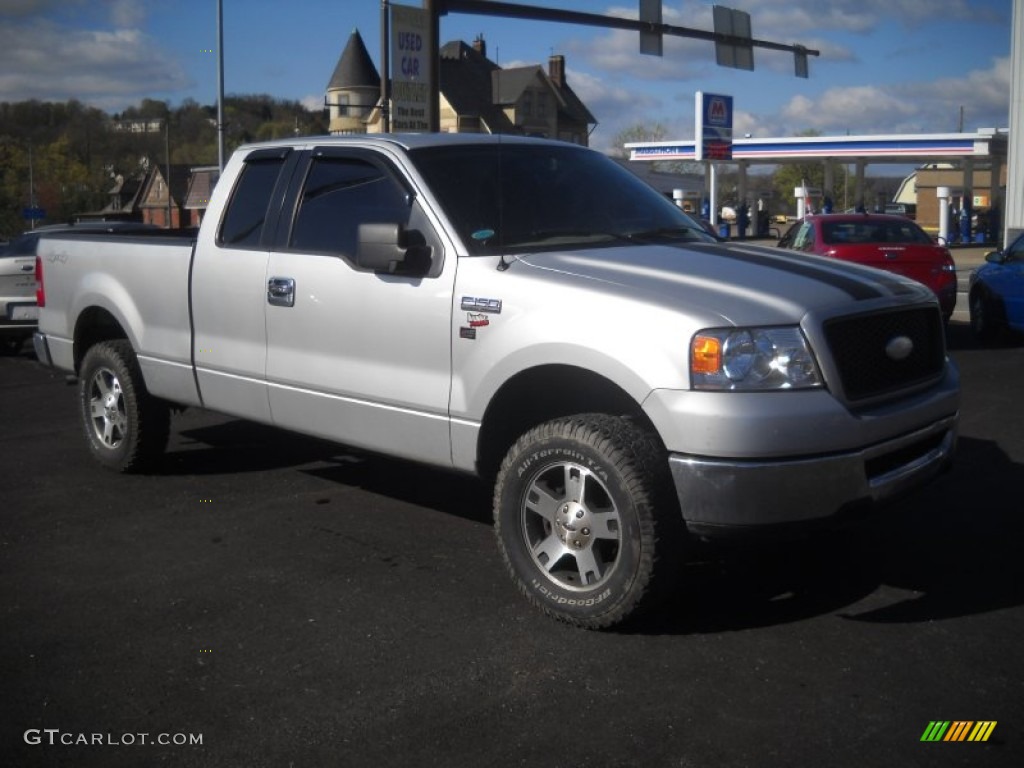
point(586, 519)
point(125, 427)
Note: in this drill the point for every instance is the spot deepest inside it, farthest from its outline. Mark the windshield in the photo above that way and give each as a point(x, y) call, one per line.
point(531, 197)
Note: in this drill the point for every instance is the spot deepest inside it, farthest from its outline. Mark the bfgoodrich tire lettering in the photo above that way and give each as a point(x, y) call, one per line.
point(585, 520)
point(125, 428)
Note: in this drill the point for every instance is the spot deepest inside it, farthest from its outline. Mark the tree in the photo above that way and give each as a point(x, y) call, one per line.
point(78, 149)
point(810, 174)
point(651, 132)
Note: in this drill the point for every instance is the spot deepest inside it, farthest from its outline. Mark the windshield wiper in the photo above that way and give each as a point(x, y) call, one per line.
point(669, 232)
point(554, 234)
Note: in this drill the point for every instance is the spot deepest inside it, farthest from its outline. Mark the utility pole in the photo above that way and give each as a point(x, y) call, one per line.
point(167, 157)
point(385, 66)
point(31, 189)
point(220, 85)
point(434, 8)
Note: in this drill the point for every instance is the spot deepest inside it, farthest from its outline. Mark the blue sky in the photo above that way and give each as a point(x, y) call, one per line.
point(887, 66)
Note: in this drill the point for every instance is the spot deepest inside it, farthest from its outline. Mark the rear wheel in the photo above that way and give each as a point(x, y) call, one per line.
point(125, 427)
point(586, 521)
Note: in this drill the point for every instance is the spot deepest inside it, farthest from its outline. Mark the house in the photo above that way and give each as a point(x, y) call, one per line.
point(123, 201)
point(161, 203)
point(477, 95)
point(201, 182)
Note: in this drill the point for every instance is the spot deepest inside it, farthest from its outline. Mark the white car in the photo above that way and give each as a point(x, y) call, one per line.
point(19, 314)
point(18, 311)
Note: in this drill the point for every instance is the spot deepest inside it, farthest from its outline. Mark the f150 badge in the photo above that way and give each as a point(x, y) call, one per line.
point(475, 304)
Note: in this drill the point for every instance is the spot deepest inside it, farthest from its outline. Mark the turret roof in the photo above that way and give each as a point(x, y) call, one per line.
point(355, 67)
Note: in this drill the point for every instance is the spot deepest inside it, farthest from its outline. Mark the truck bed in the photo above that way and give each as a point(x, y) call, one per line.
point(142, 280)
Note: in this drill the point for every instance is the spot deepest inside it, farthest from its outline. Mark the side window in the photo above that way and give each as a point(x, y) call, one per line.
point(341, 193)
point(804, 240)
point(247, 210)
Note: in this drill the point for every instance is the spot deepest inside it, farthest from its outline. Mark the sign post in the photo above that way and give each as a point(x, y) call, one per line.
point(412, 61)
point(713, 132)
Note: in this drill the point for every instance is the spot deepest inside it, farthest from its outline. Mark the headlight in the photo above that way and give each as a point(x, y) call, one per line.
point(752, 359)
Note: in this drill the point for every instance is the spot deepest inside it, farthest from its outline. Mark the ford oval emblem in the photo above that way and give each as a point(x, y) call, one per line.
point(899, 348)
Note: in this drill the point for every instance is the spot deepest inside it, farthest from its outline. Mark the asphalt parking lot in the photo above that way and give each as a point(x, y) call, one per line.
point(291, 603)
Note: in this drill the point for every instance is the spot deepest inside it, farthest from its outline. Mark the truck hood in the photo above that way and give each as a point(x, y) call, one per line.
point(738, 284)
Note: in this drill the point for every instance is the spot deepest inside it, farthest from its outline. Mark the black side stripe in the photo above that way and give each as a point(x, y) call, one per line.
point(799, 264)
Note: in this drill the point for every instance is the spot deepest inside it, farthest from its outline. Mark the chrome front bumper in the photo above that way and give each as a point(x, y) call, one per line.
point(717, 495)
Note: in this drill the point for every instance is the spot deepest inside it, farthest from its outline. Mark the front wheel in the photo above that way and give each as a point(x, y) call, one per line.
point(585, 518)
point(983, 315)
point(125, 427)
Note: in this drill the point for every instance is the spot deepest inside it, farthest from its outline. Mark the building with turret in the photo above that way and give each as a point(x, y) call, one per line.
point(477, 95)
point(353, 93)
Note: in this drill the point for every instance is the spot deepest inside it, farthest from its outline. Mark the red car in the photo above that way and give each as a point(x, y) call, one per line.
point(893, 243)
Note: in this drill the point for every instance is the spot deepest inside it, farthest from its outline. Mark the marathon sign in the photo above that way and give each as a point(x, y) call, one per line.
point(713, 131)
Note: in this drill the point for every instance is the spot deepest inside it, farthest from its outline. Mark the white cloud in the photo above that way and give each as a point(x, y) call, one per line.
point(929, 107)
point(615, 107)
point(42, 59)
point(786, 17)
point(127, 13)
point(616, 51)
point(314, 102)
point(893, 105)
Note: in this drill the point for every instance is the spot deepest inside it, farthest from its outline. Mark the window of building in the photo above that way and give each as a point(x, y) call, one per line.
point(526, 104)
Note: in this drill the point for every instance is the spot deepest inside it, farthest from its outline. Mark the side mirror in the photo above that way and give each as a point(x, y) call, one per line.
point(995, 257)
point(391, 248)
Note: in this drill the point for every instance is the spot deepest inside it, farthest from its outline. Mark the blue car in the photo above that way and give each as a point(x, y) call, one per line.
point(997, 292)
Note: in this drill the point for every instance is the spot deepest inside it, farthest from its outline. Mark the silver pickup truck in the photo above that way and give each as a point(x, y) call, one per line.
point(526, 311)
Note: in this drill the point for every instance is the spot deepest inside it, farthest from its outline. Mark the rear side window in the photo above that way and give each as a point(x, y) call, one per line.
point(247, 210)
point(341, 193)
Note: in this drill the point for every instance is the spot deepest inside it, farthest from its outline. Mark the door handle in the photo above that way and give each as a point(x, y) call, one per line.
point(281, 291)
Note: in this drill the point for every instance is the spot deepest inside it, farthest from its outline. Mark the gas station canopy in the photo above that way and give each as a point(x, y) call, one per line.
point(910, 148)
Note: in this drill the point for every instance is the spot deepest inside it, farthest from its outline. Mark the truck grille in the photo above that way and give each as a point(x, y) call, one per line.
point(871, 363)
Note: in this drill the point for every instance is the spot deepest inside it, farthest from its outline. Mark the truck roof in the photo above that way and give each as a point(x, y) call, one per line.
point(404, 140)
